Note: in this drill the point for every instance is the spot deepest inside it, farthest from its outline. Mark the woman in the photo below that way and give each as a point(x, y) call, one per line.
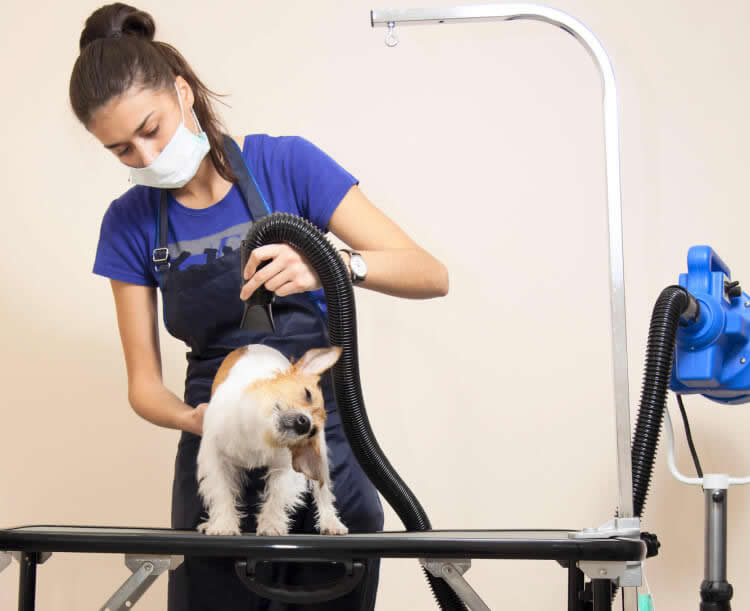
point(196, 193)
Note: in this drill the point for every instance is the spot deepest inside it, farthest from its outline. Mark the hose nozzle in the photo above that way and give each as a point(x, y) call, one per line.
point(258, 315)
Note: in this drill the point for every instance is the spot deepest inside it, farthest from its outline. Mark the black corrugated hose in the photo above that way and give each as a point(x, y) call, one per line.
point(673, 302)
point(342, 330)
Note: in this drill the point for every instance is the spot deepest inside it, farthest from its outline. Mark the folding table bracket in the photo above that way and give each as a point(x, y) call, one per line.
point(624, 574)
point(452, 570)
point(5, 560)
point(7, 557)
point(145, 570)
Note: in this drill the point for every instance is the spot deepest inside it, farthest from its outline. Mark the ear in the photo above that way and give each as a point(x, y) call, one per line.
point(317, 360)
point(306, 460)
point(185, 92)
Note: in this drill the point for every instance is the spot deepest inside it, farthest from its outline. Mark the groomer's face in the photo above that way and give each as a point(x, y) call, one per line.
point(138, 124)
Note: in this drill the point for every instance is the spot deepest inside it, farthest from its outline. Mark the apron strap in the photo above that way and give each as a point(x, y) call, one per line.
point(248, 186)
point(160, 255)
point(246, 181)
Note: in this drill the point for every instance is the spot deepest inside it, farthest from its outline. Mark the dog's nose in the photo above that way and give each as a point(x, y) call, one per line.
point(302, 424)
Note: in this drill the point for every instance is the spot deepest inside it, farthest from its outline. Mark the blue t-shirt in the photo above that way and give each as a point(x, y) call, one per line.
point(292, 175)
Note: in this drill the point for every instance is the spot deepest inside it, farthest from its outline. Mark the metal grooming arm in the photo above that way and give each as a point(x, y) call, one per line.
point(513, 11)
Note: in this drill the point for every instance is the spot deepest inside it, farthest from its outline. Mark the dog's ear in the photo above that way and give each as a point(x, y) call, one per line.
point(317, 360)
point(306, 460)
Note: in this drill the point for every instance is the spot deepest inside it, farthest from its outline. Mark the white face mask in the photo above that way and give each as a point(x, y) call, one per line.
point(178, 162)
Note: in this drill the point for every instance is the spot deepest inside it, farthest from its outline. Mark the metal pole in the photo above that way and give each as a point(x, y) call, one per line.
point(575, 587)
point(514, 11)
point(27, 581)
point(716, 535)
point(602, 591)
point(716, 592)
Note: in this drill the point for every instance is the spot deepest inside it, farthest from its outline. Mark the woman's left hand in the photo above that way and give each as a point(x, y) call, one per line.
point(194, 419)
point(287, 273)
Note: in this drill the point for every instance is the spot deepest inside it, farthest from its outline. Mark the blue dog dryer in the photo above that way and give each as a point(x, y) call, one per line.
point(697, 344)
point(711, 356)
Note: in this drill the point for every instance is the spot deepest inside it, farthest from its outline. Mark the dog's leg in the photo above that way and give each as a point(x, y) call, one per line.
point(328, 522)
point(219, 483)
point(282, 495)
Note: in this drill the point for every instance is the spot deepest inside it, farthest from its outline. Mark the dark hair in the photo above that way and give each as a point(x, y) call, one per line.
point(118, 51)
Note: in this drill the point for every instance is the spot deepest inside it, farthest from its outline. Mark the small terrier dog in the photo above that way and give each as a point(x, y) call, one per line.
point(265, 411)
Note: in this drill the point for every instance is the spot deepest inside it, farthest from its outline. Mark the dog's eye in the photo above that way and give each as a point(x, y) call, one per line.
point(308, 395)
point(277, 407)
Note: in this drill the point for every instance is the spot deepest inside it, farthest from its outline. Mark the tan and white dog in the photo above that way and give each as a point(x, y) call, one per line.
point(266, 412)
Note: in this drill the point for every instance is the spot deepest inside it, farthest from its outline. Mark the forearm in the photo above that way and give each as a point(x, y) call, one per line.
point(154, 402)
point(408, 272)
point(396, 264)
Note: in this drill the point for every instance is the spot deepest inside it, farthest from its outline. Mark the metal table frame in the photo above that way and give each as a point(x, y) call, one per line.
point(151, 551)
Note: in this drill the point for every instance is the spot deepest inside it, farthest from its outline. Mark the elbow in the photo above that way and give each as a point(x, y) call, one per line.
point(139, 392)
point(134, 398)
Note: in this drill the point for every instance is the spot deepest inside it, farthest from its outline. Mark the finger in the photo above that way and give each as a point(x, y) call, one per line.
point(290, 288)
point(258, 255)
point(285, 275)
point(261, 277)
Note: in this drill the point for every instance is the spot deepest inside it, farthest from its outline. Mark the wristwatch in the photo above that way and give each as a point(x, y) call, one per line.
point(357, 266)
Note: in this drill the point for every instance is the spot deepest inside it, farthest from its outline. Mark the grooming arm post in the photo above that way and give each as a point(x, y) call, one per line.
point(513, 11)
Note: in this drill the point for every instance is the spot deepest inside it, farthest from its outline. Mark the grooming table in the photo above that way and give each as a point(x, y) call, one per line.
point(445, 553)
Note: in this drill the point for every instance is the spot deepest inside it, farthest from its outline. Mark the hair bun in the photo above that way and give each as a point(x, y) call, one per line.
point(117, 20)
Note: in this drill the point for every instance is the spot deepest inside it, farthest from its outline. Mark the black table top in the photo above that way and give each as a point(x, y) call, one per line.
point(497, 544)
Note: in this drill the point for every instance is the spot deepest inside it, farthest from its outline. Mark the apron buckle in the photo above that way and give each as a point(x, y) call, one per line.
point(160, 256)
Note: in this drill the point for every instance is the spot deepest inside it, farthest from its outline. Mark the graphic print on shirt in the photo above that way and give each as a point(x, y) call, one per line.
point(207, 248)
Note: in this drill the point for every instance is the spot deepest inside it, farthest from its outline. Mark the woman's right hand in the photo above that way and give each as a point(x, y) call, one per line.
point(194, 419)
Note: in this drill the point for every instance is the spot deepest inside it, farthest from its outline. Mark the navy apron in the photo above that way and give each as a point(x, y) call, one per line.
point(202, 307)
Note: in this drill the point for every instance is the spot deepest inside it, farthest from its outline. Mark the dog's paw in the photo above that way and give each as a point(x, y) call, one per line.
point(216, 528)
point(271, 528)
point(333, 527)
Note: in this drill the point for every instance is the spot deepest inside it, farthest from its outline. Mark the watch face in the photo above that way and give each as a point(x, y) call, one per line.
point(358, 266)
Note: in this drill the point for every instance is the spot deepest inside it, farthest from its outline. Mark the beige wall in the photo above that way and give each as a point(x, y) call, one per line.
point(484, 142)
